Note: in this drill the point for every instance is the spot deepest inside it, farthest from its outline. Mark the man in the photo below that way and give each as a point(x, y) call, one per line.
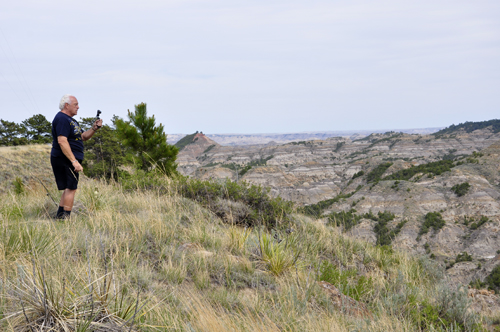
point(67, 151)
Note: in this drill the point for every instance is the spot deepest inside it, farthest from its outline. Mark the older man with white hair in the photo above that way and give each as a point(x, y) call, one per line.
point(67, 151)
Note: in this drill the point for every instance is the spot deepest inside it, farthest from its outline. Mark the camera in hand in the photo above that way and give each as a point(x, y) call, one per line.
point(97, 117)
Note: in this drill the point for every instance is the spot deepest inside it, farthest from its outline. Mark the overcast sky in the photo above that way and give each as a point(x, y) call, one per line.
point(225, 66)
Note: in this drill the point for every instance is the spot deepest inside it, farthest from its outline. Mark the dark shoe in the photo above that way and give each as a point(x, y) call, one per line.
point(64, 215)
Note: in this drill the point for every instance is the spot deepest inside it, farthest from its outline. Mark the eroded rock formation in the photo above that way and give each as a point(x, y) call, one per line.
point(311, 171)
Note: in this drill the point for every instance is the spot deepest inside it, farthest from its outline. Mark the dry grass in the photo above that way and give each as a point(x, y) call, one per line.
point(29, 162)
point(184, 269)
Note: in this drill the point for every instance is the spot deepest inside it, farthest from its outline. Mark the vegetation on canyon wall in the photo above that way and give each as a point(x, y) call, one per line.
point(461, 189)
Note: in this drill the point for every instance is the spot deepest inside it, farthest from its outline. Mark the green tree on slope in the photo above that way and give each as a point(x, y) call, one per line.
point(147, 140)
point(38, 129)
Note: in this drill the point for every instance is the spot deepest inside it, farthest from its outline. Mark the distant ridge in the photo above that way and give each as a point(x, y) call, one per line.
point(282, 138)
point(470, 126)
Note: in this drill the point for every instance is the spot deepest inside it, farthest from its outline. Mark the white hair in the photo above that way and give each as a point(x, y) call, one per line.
point(66, 99)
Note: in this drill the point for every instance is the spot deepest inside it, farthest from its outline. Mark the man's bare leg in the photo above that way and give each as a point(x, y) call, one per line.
point(67, 199)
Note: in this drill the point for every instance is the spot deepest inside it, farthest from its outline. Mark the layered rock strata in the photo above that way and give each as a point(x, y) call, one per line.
point(312, 171)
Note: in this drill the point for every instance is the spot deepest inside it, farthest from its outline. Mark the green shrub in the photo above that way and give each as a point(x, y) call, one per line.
point(263, 208)
point(316, 210)
point(211, 164)
point(397, 229)
point(242, 170)
point(381, 229)
point(476, 154)
point(385, 139)
point(480, 223)
point(463, 257)
point(384, 234)
point(461, 189)
point(347, 219)
point(432, 220)
point(395, 185)
point(431, 169)
point(350, 219)
point(493, 279)
point(300, 143)
point(377, 172)
point(471, 160)
point(478, 284)
point(358, 174)
point(209, 148)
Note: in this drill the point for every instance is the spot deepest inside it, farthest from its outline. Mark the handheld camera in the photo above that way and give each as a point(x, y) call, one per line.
point(97, 117)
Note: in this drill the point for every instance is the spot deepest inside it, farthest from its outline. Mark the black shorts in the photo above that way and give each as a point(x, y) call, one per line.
point(66, 177)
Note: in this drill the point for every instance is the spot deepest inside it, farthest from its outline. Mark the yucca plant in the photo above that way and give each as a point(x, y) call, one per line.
point(54, 304)
point(278, 256)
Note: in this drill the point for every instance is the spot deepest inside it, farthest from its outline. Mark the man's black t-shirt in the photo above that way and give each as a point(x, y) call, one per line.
point(64, 125)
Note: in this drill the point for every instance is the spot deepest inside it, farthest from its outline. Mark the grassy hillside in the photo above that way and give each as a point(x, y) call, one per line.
point(29, 163)
point(153, 260)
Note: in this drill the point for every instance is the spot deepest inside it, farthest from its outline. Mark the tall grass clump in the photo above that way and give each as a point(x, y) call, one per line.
point(19, 240)
point(19, 187)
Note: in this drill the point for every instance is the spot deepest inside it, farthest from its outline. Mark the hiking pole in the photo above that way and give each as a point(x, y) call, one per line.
point(48, 193)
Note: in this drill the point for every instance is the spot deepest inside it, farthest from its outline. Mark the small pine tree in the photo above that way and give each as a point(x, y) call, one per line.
point(147, 140)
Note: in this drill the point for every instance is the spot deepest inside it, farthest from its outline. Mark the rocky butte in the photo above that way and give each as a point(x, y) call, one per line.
point(435, 194)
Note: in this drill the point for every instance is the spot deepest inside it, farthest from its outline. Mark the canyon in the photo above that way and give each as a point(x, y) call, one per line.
point(310, 172)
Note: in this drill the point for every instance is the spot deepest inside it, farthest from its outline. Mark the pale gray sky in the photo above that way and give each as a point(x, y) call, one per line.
point(223, 66)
